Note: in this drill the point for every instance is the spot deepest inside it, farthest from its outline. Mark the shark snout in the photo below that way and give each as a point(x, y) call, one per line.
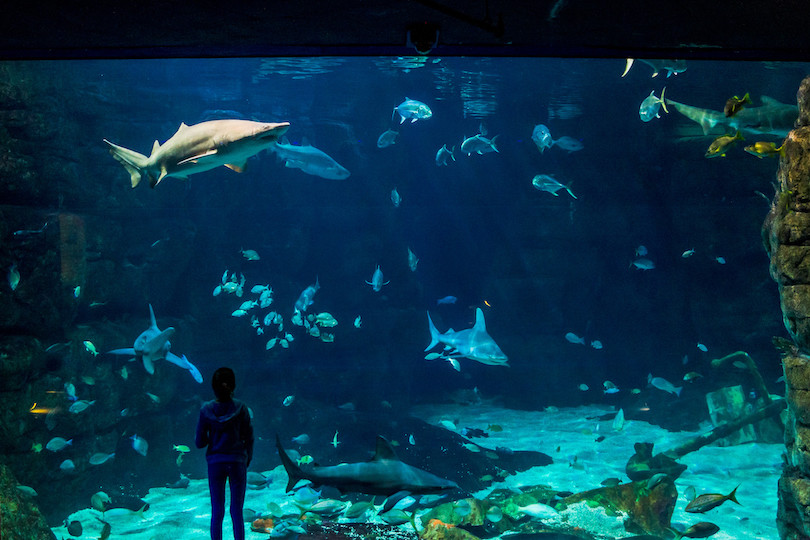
point(272, 132)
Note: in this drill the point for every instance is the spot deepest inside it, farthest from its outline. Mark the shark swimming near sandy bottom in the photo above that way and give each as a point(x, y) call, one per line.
point(771, 118)
point(153, 345)
point(473, 343)
point(200, 147)
point(384, 474)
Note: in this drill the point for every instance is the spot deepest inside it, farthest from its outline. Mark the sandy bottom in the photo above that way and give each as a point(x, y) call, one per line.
point(563, 434)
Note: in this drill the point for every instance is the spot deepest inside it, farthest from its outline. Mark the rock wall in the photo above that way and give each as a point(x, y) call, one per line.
point(786, 234)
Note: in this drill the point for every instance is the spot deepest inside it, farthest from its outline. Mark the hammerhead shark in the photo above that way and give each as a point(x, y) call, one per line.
point(771, 118)
point(473, 343)
point(200, 147)
point(384, 474)
point(153, 345)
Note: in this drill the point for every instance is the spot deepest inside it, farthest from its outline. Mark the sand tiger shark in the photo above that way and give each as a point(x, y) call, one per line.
point(384, 474)
point(153, 345)
point(200, 147)
point(771, 118)
point(473, 343)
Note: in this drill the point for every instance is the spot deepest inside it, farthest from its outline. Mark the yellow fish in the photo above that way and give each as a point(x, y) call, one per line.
point(722, 144)
point(736, 104)
point(765, 149)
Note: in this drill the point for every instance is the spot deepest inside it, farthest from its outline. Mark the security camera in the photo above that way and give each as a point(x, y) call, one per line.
point(423, 37)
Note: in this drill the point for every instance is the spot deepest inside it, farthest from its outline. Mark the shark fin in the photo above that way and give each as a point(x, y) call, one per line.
point(133, 162)
point(182, 127)
point(237, 167)
point(155, 147)
point(185, 364)
point(155, 181)
point(127, 352)
point(480, 324)
point(148, 365)
point(152, 321)
point(294, 472)
point(384, 450)
point(197, 158)
point(434, 334)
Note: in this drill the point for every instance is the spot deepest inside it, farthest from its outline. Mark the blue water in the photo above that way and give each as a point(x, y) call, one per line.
point(539, 265)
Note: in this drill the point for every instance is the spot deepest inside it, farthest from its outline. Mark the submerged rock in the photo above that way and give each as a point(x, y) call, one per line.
point(20, 518)
point(649, 504)
point(786, 235)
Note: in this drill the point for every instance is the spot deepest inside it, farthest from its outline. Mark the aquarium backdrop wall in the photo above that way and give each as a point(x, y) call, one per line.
point(603, 259)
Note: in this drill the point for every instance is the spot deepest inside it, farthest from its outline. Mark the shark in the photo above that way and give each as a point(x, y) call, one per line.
point(384, 474)
point(309, 159)
point(771, 118)
point(199, 147)
point(153, 345)
point(473, 343)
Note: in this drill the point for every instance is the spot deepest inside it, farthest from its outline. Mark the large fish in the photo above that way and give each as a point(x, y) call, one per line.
point(771, 118)
point(384, 474)
point(473, 343)
point(153, 345)
point(310, 160)
point(199, 148)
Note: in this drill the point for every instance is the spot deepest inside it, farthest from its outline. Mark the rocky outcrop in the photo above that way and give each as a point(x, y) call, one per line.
point(786, 234)
point(20, 518)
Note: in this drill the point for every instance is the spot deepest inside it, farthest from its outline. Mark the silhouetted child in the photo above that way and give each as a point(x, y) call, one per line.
point(224, 427)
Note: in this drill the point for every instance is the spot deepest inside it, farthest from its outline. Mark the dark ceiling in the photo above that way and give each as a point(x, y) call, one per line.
point(774, 30)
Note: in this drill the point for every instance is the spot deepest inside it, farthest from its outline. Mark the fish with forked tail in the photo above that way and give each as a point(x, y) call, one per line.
point(200, 147)
point(707, 501)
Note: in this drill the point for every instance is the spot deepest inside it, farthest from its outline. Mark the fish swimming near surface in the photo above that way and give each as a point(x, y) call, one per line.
point(384, 474)
point(412, 110)
point(672, 67)
point(771, 118)
point(309, 159)
point(153, 345)
point(198, 148)
point(473, 343)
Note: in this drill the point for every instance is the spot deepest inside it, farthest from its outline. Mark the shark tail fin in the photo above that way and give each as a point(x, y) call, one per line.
point(294, 472)
point(434, 334)
point(133, 162)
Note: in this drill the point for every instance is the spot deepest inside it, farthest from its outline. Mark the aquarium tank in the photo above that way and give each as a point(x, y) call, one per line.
point(514, 297)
